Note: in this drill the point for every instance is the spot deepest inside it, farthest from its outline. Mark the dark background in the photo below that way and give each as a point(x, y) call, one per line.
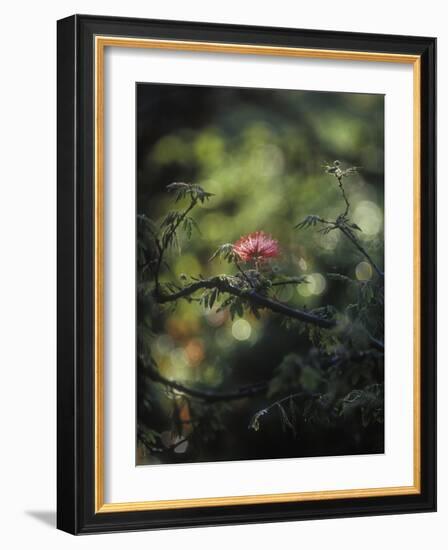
point(261, 153)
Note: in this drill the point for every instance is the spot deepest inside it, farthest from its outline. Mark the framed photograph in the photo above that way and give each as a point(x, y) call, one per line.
point(246, 274)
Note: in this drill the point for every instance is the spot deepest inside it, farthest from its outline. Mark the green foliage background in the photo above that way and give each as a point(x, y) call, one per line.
point(261, 153)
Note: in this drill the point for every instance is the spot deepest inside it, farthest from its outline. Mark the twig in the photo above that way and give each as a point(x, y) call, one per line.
point(251, 296)
point(254, 422)
point(348, 233)
point(167, 239)
point(258, 299)
point(243, 273)
point(291, 396)
point(205, 395)
point(361, 249)
point(341, 187)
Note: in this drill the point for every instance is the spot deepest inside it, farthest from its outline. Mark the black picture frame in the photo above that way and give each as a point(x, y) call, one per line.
point(76, 512)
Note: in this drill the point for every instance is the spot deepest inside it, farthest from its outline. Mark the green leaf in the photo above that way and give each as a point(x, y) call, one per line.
point(213, 296)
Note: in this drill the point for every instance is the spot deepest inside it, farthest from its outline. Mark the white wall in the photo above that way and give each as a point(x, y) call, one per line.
point(27, 271)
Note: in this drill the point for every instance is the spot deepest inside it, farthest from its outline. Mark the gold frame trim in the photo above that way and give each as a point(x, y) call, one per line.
point(101, 42)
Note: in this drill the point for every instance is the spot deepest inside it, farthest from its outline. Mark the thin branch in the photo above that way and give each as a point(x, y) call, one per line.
point(340, 224)
point(242, 392)
point(150, 261)
point(251, 296)
point(254, 422)
point(258, 299)
point(339, 174)
point(168, 237)
point(206, 395)
point(243, 273)
point(348, 233)
point(361, 249)
point(341, 187)
point(291, 396)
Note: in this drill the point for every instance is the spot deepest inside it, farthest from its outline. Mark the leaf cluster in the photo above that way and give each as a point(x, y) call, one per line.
point(193, 191)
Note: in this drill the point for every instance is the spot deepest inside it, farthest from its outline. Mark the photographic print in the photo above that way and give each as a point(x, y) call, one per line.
point(260, 273)
point(226, 225)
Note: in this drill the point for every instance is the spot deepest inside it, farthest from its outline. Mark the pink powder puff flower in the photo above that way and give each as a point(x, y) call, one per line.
point(256, 247)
